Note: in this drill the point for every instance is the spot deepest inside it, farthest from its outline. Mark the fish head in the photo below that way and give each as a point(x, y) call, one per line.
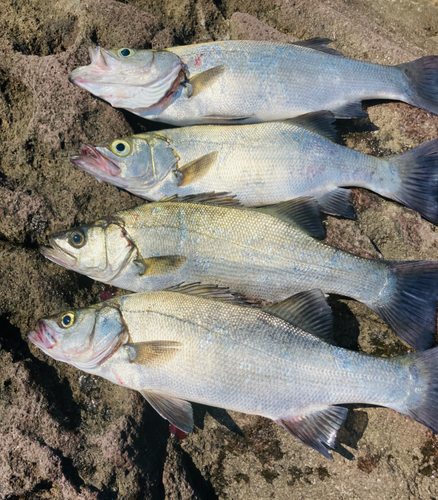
point(135, 163)
point(82, 337)
point(128, 78)
point(100, 250)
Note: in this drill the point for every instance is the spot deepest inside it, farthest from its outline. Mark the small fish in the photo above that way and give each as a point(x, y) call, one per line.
point(249, 81)
point(199, 346)
point(269, 252)
point(264, 164)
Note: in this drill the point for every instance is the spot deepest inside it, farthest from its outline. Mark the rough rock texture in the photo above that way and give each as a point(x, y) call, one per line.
point(66, 435)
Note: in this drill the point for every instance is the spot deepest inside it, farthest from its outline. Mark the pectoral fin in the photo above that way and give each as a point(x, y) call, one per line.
point(157, 351)
point(317, 429)
point(177, 411)
point(196, 169)
point(159, 266)
point(202, 81)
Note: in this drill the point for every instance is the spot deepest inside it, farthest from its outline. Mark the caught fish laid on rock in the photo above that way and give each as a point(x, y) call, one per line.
point(264, 164)
point(177, 347)
point(270, 253)
point(250, 81)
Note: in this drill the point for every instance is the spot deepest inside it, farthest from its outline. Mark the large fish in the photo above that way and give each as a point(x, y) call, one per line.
point(249, 82)
point(267, 252)
point(175, 347)
point(264, 164)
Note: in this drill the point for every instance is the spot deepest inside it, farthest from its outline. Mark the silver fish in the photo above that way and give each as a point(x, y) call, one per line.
point(264, 164)
point(177, 347)
point(268, 252)
point(249, 82)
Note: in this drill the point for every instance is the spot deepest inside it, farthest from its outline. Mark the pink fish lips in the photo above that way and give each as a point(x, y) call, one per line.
point(43, 337)
point(96, 163)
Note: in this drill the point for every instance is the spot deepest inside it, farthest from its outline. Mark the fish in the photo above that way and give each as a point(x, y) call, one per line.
point(269, 253)
point(197, 344)
point(264, 164)
point(241, 81)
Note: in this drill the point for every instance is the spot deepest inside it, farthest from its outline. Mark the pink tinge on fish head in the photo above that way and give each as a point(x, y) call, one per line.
point(95, 162)
point(43, 337)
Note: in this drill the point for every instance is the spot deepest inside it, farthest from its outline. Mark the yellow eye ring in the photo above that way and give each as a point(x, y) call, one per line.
point(76, 239)
point(120, 148)
point(67, 320)
point(125, 52)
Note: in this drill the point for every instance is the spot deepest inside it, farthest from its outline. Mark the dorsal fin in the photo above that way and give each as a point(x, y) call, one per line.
point(209, 291)
point(223, 199)
point(318, 44)
point(319, 122)
point(301, 212)
point(306, 310)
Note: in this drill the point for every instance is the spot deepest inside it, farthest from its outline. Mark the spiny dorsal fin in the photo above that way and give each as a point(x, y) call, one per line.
point(209, 291)
point(159, 266)
point(318, 44)
point(317, 429)
point(337, 202)
point(319, 122)
point(177, 411)
point(196, 169)
point(306, 310)
point(301, 212)
point(223, 199)
point(203, 80)
point(156, 351)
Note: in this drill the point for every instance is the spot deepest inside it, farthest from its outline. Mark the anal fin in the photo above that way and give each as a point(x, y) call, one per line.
point(318, 122)
point(350, 110)
point(336, 202)
point(177, 411)
point(317, 429)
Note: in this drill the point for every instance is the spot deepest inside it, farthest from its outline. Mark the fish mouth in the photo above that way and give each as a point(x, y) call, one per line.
point(43, 336)
point(58, 255)
point(94, 162)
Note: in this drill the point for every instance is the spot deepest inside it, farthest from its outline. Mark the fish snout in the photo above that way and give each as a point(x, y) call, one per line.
point(43, 336)
point(96, 163)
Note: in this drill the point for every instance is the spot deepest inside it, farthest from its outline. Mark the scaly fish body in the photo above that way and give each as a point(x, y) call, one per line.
point(250, 82)
point(177, 347)
point(157, 245)
point(263, 164)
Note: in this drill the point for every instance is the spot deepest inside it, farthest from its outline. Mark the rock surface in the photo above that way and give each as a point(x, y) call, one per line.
point(67, 435)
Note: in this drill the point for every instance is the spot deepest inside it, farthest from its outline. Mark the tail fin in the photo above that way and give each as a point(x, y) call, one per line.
point(418, 170)
point(423, 76)
point(423, 407)
point(411, 310)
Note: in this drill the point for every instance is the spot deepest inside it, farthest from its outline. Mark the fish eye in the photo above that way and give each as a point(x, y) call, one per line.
point(77, 239)
point(125, 52)
point(121, 148)
point(67, 319)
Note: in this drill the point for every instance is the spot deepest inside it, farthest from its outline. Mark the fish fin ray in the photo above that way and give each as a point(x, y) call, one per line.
point(350, 110)
point(306, 310)
point(319, 122)
point(318, 44)
point(159, 266)
point(196, 169)
point(336, 202)
point(301, 212)
point(411, 309)
point(209, 291)
point(198, 83)
point(177, 411)
point(225, 119)
point(223, 199)
point(317, 429)
point(418, 170)
point(157, 351)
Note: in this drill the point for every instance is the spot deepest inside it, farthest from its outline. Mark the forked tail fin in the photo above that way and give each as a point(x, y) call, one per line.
point(411, 310)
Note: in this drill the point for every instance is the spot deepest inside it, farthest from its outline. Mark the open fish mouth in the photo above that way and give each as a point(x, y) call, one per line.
point(58, 255)
point(42, 336)
point(96, 163)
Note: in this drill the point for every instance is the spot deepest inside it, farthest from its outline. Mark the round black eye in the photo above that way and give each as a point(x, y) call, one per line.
point(120, 147)
point(77, 239)
point(125, 52)
point(67, 319)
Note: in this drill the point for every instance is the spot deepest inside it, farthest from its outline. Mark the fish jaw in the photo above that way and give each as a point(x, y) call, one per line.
point(126, 84)
point(43, 336)
point(93, 161)
point(59, 256)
